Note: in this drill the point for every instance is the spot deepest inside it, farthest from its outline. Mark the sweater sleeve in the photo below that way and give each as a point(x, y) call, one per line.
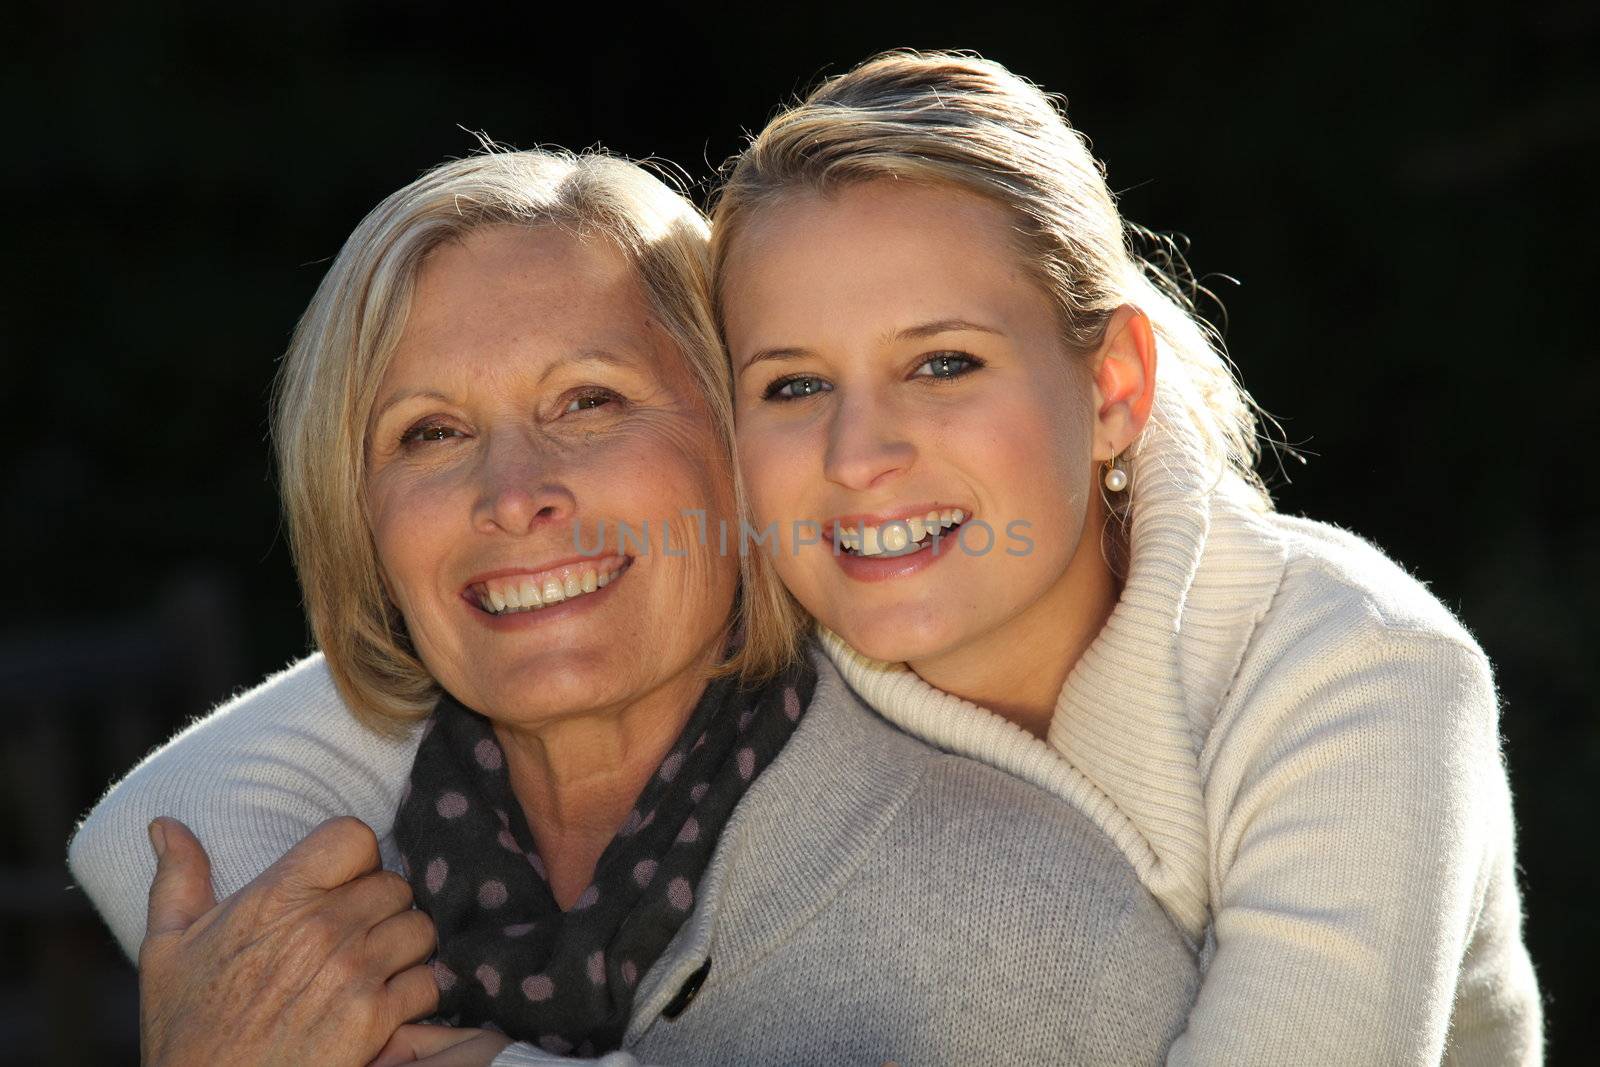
point(1363, 875)
point(251, 780)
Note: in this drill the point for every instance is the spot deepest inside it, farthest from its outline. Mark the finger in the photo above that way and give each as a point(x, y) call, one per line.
point(411, 994)
point(413, 1041)
point(365, 903)
point(400, 941)
point(479, 1050)
point(181, 891)
point(336, 852)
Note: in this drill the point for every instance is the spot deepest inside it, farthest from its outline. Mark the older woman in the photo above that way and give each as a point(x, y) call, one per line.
point(638, 816)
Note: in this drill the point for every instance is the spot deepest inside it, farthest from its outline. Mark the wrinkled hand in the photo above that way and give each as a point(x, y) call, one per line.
point(319, 960)
point(441, 1046)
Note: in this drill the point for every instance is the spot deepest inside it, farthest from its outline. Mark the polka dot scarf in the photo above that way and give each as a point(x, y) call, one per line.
point(509, 959)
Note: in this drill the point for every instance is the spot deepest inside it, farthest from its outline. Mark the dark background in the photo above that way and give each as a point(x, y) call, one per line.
point(1405, 198)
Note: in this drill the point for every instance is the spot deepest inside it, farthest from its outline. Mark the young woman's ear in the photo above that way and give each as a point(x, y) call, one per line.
point(1124, 381)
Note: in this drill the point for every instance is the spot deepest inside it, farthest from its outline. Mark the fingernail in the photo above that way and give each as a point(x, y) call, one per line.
point(158, 838)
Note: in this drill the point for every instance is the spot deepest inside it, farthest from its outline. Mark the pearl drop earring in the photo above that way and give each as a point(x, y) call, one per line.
point(1116, 478)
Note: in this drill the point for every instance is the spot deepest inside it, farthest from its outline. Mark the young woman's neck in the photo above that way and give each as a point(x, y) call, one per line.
point(1017, 670)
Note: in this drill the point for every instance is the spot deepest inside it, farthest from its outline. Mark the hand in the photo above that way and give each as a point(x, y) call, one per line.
point(441, 1046)
point(319, 960)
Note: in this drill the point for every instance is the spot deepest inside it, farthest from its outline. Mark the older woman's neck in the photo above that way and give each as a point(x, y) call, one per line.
point(578, 776)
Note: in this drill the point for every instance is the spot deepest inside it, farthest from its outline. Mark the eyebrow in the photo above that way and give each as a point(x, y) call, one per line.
point(920, 331)
point(602, 356)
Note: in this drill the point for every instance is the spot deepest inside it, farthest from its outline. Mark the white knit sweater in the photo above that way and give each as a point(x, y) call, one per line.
point(1297, 747)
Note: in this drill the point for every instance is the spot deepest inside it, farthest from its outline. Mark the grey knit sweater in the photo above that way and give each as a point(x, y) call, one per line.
point(872, 899)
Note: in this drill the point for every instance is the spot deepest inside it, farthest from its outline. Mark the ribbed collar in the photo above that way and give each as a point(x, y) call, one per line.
point(1124, 743)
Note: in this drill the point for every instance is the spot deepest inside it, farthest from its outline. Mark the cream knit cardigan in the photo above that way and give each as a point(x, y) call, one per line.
point(1297, 748)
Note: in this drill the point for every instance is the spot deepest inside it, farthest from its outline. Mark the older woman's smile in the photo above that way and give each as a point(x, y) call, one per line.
point(513, 590)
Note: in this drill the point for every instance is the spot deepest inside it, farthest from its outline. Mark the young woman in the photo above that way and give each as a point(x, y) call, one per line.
point(1043, 545)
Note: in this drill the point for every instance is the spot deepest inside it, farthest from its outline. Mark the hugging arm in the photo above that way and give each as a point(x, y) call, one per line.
point(253, 780)
point(1364, 871)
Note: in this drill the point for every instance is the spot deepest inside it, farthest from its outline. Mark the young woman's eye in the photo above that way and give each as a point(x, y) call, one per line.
point(795, 387)
point(427, 433)
point(588, 399)
point(947, 365)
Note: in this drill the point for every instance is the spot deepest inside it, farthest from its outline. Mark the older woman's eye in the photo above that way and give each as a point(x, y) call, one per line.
point(795, 387)
point(947, 365)
point(426, 432)
point(588, 399)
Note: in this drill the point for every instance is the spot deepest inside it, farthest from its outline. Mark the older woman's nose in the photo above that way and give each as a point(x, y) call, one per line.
point(867, 444)
point(519, 493)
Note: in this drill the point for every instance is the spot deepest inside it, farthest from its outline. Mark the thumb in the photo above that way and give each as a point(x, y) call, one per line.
point(181, 892)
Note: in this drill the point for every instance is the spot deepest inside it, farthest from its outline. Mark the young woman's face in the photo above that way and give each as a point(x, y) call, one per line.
point(893, 362)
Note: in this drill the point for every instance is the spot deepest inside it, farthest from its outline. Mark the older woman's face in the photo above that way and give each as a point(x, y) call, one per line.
point(531, 409)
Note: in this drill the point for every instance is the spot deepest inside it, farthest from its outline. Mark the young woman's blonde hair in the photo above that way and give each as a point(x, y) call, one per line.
point(329, 378)
point(966, 122)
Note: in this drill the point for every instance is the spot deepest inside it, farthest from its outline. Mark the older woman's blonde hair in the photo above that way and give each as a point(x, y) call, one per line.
point(957, 120)
point(329, 378)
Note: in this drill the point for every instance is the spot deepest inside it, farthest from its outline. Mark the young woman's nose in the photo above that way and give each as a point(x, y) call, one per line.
point(867, 444)
point(522, 487)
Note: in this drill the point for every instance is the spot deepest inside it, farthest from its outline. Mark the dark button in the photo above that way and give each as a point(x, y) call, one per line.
point(686, 992)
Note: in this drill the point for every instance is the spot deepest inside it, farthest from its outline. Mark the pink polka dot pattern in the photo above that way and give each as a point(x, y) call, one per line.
point(452, 805)
point(438, 870)
point(492, 894)
point(643, 872)
point(566, 979)
point(488, 755)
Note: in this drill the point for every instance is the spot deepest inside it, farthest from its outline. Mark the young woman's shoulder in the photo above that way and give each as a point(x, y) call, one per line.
point(1332, 574)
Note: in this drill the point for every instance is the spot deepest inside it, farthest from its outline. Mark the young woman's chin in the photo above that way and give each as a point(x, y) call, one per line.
point(899, 635)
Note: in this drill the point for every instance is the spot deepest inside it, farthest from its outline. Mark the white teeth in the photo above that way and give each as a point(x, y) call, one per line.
point(527, 593)
point(898, 535)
